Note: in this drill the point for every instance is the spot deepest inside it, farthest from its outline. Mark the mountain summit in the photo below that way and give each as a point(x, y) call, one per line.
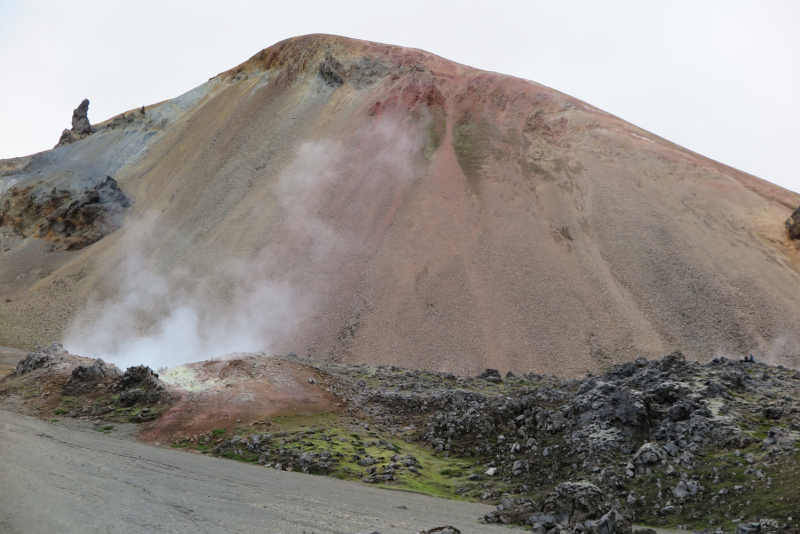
point(370, 203)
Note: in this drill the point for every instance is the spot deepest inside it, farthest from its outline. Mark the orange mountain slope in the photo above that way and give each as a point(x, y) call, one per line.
point(364, 202)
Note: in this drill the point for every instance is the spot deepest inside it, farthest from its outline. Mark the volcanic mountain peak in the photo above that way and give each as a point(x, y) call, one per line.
point(363, 202)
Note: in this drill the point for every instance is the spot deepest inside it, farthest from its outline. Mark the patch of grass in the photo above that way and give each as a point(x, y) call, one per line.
point(60, 411)
point(67, 400)
point(55, 420)
point(107, 428)
point(218, 432)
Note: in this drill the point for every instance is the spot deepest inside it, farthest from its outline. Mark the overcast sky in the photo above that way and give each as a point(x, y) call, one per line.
point(721, 78)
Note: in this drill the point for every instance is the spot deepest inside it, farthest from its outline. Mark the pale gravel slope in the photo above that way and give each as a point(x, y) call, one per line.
point(56, 479)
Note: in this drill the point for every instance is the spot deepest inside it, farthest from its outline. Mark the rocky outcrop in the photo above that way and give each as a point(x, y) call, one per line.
point(42, 358)
point(87, 378)
point(570, 507)
point(80, 119)
point(81, 127)
point(793, 224)
point(71, 220)
point(331, 71)
point(139, 385)
point(641, 424)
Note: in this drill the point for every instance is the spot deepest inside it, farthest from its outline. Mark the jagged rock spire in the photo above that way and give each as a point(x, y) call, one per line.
point(80, 125)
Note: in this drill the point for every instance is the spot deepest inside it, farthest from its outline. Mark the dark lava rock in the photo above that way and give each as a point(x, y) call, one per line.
point(441, 530)
point(793, 224)
point(573, 506)
point(40, 359)
point(71, 220)
point(331, 71)
point(86, 378)
point(576, 502)
point(139, 384)
point(81, 127)
point(34, 360)
point(80, 118)
point(493, 375)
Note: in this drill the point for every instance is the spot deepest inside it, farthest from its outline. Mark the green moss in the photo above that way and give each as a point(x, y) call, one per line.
point(471, 141)
point(60, 411)
point(434, 134)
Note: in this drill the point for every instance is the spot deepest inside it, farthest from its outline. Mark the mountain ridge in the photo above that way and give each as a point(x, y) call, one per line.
point(364, 202)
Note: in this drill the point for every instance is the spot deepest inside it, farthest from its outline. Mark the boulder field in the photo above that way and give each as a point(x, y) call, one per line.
point(665, 443)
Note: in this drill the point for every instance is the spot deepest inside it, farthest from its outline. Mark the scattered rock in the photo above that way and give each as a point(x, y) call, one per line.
point(42, 358)
point(793, 225)
point(576, 502)
point(139, 384)
point(331, 71)
point(86, 378)
point(490, 373)
point(748, 528)
point(441, 530)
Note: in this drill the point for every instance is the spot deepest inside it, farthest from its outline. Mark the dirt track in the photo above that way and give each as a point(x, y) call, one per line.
point(56, 479)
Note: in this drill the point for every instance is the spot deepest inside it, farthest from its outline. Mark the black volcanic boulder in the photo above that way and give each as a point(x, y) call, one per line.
point(492, 375)
point(139, 385)
point(793, 224)
point(574, 503)
point(86, 378)
point(42, 358)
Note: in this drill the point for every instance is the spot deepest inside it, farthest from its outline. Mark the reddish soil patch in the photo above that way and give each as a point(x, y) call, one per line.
point(242, 389)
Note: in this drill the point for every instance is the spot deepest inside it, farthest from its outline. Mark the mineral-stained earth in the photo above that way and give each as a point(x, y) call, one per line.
point(360, 202)
point(481, 289)
point(667, 442)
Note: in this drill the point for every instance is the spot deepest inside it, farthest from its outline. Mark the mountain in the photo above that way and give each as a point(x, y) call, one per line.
point(360, 202)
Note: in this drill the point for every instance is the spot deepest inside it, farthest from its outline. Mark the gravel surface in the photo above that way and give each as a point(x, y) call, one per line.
point(56, 479)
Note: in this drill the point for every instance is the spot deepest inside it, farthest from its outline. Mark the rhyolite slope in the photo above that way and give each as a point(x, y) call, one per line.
point(356, 201)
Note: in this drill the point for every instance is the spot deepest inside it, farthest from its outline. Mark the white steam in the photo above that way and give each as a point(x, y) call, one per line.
point(161, 317)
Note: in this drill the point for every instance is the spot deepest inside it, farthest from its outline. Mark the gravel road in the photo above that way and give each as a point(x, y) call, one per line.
point(59, 479)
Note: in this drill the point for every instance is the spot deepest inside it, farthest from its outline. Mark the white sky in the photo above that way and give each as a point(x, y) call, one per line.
point(719, 77)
